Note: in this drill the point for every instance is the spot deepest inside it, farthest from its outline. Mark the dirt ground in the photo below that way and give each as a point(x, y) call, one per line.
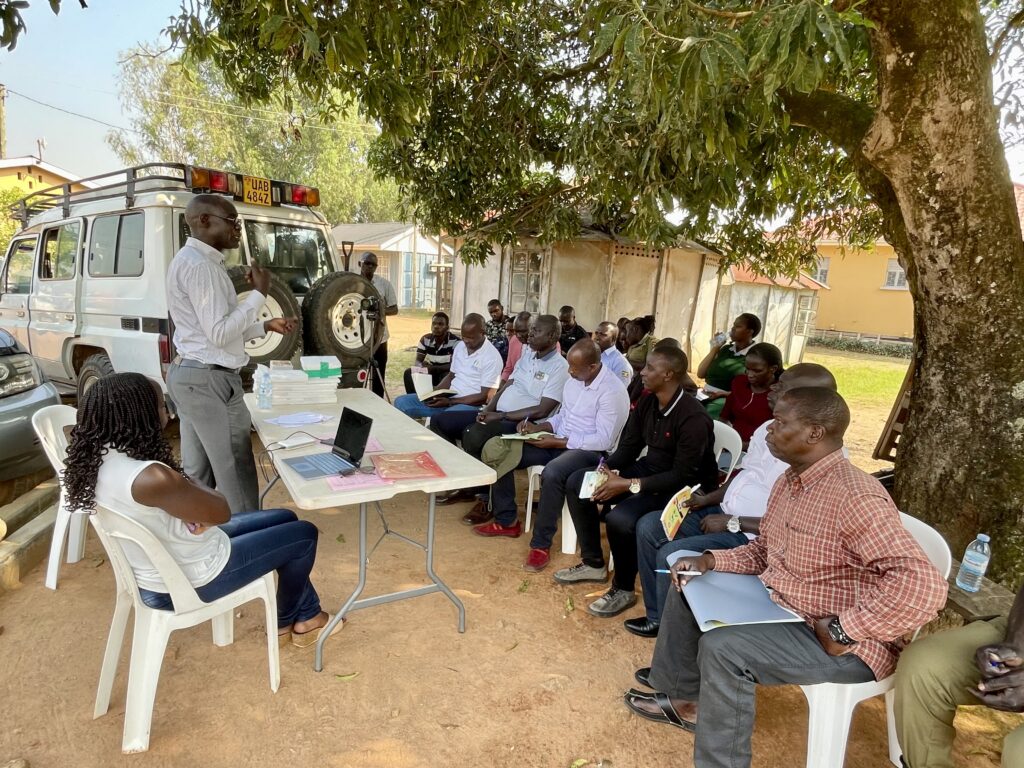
point(534, 681)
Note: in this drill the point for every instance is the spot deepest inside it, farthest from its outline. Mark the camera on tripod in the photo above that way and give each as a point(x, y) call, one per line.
point(370, 307)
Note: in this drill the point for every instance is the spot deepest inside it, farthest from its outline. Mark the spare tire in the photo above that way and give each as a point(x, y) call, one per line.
point(281, 302)
point(334, 321)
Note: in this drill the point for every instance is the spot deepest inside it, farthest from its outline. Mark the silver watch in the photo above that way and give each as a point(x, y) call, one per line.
point(634, 487)
point(733, 526)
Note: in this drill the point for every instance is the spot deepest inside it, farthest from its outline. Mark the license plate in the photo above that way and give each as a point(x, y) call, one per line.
point(256, 190)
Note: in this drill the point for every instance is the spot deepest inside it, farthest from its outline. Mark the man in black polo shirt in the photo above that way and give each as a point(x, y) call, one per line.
point(571, 332)
point(434, 351)
point(680, 441)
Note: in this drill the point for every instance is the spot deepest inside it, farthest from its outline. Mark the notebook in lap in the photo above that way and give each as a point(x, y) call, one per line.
point(346, 450)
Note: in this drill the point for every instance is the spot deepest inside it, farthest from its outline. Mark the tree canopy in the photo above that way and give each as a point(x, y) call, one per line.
point(185, 113)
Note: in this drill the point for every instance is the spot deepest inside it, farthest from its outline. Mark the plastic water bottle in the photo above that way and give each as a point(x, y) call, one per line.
point(264, 389)
point(974, 565)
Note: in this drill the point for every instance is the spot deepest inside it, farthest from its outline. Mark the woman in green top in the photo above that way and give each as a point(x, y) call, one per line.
point(641, 338)
point(726, 361)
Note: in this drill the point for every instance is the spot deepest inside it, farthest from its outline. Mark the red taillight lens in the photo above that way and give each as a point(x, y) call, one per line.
point(299, 195)
point(218, 181)
point(165, 349)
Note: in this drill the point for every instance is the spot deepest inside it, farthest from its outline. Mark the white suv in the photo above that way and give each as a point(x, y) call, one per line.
point(83, 284)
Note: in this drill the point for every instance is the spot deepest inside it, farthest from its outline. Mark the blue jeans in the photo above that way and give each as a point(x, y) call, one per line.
point(263, 541)
point(415, 408)
point(652, 547)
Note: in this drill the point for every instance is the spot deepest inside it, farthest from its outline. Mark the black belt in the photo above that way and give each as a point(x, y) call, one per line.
point(208, 366)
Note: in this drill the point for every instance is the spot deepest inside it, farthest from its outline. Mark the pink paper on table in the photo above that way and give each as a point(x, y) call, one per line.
point(358, 480)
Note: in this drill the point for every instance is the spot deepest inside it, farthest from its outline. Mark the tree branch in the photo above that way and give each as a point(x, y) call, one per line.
point(1015, 21)
point(719, 14)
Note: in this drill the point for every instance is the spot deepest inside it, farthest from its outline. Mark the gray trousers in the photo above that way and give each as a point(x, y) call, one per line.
point(719, 669)
point(216, 449)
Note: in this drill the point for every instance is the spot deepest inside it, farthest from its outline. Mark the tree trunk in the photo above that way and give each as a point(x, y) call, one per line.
point(960, 462)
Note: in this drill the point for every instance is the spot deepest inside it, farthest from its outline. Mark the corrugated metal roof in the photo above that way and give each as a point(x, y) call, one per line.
point(372, 233)
point(744, 274)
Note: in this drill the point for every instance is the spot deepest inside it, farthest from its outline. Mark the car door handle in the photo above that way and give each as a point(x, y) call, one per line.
point(69, 317)
point(21, 313)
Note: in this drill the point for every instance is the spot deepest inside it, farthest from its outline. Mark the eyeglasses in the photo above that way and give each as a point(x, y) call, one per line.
point(234, 221)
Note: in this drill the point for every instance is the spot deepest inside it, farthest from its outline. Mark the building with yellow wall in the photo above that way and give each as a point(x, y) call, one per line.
point(867, 293)
point(30, 174)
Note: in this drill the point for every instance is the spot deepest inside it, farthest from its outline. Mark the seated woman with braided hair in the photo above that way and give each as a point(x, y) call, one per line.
point(118, 457)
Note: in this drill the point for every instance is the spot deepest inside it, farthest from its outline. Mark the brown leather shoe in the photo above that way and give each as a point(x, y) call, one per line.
point(478, 514)
point(456, 497)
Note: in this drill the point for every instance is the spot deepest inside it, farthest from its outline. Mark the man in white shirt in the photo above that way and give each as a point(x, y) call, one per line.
point(606, 335)
point(388, 297)
point(728, 517)
point(594, 409)
point(475, 375)
point(210, 331)
point(533, 391)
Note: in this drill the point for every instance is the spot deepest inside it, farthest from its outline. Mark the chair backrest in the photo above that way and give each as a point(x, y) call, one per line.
point(931, 542)
point(113, 528)
point(728, 439)
point(49, 423)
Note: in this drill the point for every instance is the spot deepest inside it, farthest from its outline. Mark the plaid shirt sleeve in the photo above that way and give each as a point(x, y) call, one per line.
point(909, 591)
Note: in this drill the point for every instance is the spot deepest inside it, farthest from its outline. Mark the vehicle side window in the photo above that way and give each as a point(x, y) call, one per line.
point(18, 277)
point(60, 251)
point(116, 246)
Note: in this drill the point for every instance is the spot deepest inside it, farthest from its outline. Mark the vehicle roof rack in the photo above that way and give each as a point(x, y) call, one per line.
point(126, 182)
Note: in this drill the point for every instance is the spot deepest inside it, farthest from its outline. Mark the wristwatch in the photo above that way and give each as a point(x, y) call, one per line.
point(634, 486)
point(836, 632)
point(733, 526)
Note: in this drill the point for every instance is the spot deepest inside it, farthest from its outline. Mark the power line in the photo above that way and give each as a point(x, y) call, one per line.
point(69, 112)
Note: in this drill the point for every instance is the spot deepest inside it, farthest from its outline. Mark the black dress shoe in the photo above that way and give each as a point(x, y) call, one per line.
point(642, 626)
point(643, 676)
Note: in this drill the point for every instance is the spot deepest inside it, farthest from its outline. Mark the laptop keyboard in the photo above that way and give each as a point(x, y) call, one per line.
point(328, 463)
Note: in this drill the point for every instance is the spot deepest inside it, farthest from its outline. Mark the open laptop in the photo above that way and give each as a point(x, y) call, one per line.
point(346, 450)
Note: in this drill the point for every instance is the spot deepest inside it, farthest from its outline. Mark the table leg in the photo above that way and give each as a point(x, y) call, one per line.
point(318, 663)
point(430, 566)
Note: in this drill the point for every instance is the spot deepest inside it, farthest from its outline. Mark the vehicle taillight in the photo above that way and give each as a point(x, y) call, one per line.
point(312, 196)
point(165, 349)
point(299, 195)
point(200, 178)
point(219, 181)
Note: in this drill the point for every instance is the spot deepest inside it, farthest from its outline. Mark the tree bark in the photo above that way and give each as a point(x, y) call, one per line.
point(960, 463)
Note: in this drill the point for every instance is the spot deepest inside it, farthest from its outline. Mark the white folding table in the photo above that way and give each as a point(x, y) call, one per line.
point(397, 433)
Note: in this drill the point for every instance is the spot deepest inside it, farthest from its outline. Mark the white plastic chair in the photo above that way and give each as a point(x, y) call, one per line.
point(728, 439)
point(533, 475)
point(153, 627)
point(49, 423)
point(831, 705)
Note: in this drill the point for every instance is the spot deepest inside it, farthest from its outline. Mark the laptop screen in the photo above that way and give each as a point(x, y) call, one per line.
point(353, 433)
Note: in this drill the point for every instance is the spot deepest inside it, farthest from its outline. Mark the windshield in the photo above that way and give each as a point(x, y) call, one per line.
point(299, 255)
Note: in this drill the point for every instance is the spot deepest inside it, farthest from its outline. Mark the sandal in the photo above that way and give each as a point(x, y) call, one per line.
point(306, 639)
point(668, 714)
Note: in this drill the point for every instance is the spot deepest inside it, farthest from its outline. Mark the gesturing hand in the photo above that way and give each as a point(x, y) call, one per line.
point(259, 278)
point(281, 324)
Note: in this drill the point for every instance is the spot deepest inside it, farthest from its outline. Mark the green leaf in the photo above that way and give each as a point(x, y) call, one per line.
point(347, 677)
point(605, 37)
point(524, 585)
point(341, 538)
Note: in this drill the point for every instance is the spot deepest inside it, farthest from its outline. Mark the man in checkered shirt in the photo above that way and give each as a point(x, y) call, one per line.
point(833, 550)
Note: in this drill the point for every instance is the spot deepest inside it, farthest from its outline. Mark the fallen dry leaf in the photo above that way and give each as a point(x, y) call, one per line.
point(349, 676)
point(341, 538)
point(525, 585)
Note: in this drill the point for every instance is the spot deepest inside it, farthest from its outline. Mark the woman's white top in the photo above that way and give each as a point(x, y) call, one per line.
point(201, 556)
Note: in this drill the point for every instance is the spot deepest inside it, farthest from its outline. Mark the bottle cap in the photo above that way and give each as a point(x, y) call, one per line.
point(983, 537)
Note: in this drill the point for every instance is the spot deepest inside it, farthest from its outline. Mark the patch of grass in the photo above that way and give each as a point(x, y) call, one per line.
point(862, 379)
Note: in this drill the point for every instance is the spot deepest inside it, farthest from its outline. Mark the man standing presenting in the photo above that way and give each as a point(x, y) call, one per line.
point(606, 335)
point(832, 549)
point(571, 332)
point(210, 331)
point(388, 297)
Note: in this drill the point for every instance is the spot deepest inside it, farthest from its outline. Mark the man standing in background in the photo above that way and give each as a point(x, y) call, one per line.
point(389, 300)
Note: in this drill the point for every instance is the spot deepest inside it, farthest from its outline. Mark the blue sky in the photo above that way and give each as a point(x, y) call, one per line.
point(70, 61)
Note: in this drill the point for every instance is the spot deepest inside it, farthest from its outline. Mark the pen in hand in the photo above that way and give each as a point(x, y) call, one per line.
point(681, 573)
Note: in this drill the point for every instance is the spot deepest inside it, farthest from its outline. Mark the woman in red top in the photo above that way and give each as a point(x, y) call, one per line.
point(746, 407)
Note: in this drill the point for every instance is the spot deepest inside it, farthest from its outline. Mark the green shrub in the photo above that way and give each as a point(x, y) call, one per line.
point(866, 346)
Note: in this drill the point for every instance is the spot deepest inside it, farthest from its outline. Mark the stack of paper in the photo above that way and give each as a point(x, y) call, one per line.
point(321, 366)
point(296, 388)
